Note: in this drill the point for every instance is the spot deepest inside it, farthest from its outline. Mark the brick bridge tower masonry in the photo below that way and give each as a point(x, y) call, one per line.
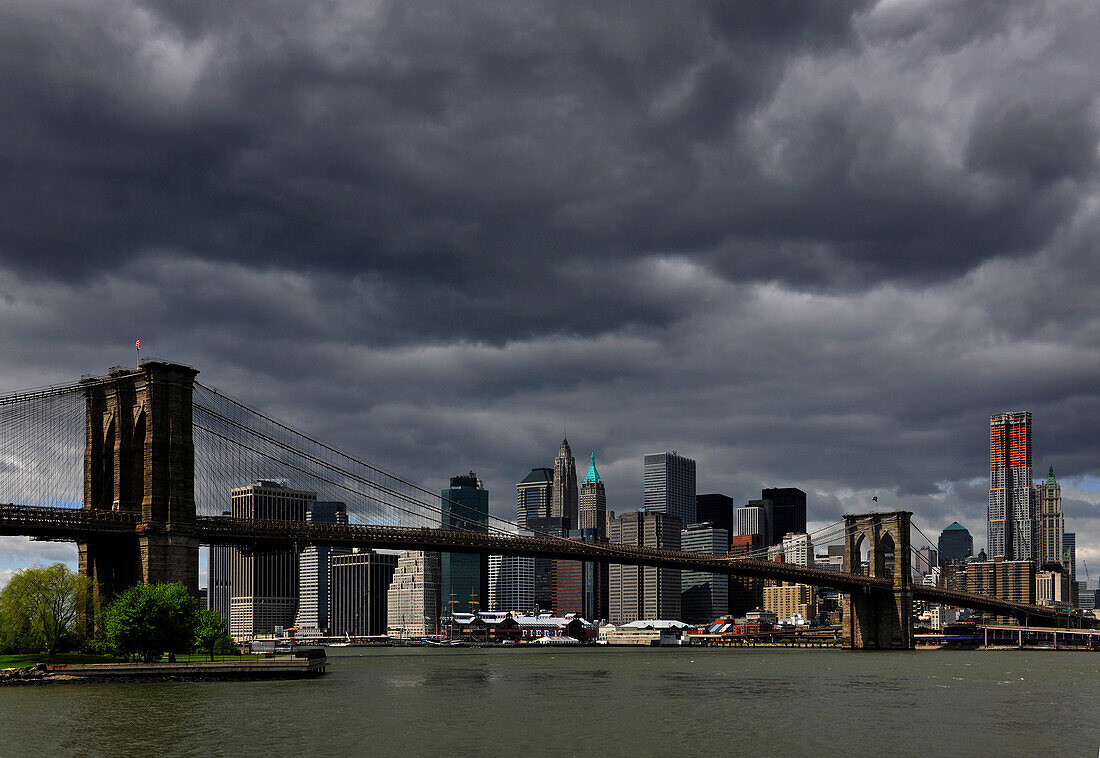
point(139, 457)
point(879, 618)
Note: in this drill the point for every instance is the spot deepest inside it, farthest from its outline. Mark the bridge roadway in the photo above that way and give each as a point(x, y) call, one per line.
point(74, 524)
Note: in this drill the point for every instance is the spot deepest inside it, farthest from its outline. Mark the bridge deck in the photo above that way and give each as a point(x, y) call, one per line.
point(269, 535)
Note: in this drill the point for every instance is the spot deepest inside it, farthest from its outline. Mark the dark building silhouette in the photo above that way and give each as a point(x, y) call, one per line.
point(358, 588)
point(549, 526)
point(313, 570)
point(580, 586)
point(218, 578)
point(955, 543)
point(788, 511)
point(745, 593)
point(534, 495)
point(464, 577)
point(563, 501)
point(718, 510)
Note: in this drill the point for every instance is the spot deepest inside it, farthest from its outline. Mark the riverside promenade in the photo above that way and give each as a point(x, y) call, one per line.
point(302, 665)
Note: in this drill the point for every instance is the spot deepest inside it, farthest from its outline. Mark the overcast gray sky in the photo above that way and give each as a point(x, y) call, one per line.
point(806, 243)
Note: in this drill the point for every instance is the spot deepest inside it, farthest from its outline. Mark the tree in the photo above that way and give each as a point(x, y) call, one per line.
point(149, 619)
point(40, 609)
point(209, 629)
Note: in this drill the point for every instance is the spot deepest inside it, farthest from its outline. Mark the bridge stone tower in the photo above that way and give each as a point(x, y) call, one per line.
point(879, 619)
point(139, 457)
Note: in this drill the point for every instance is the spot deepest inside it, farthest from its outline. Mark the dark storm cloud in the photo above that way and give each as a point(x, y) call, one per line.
point(806, 243)
point(440, 143)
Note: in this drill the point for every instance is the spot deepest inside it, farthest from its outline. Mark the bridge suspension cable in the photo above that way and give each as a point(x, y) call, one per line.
point(236, 444)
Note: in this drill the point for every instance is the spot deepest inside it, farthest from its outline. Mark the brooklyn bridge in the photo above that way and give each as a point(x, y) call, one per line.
point(136, 468)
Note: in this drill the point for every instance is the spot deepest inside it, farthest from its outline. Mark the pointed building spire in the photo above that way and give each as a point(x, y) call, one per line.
point(1051, 481)
point(593, 475)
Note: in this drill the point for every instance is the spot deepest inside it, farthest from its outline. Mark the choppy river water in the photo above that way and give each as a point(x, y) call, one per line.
point(591, 701)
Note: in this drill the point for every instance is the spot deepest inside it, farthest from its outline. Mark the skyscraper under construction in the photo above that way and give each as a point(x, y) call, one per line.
point(1013, 500)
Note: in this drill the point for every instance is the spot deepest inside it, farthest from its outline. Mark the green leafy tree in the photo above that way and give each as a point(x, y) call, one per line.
point(40, 609)
point(209, 629)
point(149, 619)
point(226, 646)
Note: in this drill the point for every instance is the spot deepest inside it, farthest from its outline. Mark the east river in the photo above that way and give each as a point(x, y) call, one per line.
point(591, 701)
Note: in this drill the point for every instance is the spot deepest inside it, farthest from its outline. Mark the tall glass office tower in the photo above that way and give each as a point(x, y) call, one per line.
point(670, 486)
point(534, 495)
point(464, 578)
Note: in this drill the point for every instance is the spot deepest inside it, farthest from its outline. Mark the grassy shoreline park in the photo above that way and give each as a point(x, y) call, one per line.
point(23, 660)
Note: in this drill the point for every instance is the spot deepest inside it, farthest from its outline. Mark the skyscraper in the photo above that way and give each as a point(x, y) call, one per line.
point(955, 543)
point(798, 549)
point(563, 502)
point(593, 500)
point(745, 593)
point(511, 583)
point(1069, 554)
point(217, 577)
point(638, 592)
point(788, 515)
point(465, 577)
point(1051, 523)
point(670, 486)
point(704, 597)
point(1013, 501)
point(412, 601)
point(313, 571)
point(534, 495)
point(265, 585)
point(544, 567)
point(755, 518)
point(359, 589)
point(716, 509)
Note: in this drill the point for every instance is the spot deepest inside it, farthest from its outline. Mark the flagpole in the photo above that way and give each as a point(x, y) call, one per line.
point(137, 346)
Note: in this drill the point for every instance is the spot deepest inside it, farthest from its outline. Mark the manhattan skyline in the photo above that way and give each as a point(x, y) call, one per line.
point(813, 247)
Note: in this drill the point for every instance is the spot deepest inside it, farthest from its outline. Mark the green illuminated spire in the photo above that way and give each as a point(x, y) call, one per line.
point(1051, 481)
point(593, 475)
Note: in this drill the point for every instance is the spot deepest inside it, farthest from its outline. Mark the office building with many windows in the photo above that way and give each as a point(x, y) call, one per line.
point(265, 585)
point(413, 598)
point(464, 576)
point(512, 583)
point(716, 509)
point(644, 592)
point(544, 567)
point(593, 500)
point(1013, 500)
point(670, 486)
point(755, 518)
point(955, 543)
point(219, 558)
point(359, 590)
point(1052, 525)
point(704, 597)
point(313, 571)
point(534, 495)
point(788, 512)
point(563, 501)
